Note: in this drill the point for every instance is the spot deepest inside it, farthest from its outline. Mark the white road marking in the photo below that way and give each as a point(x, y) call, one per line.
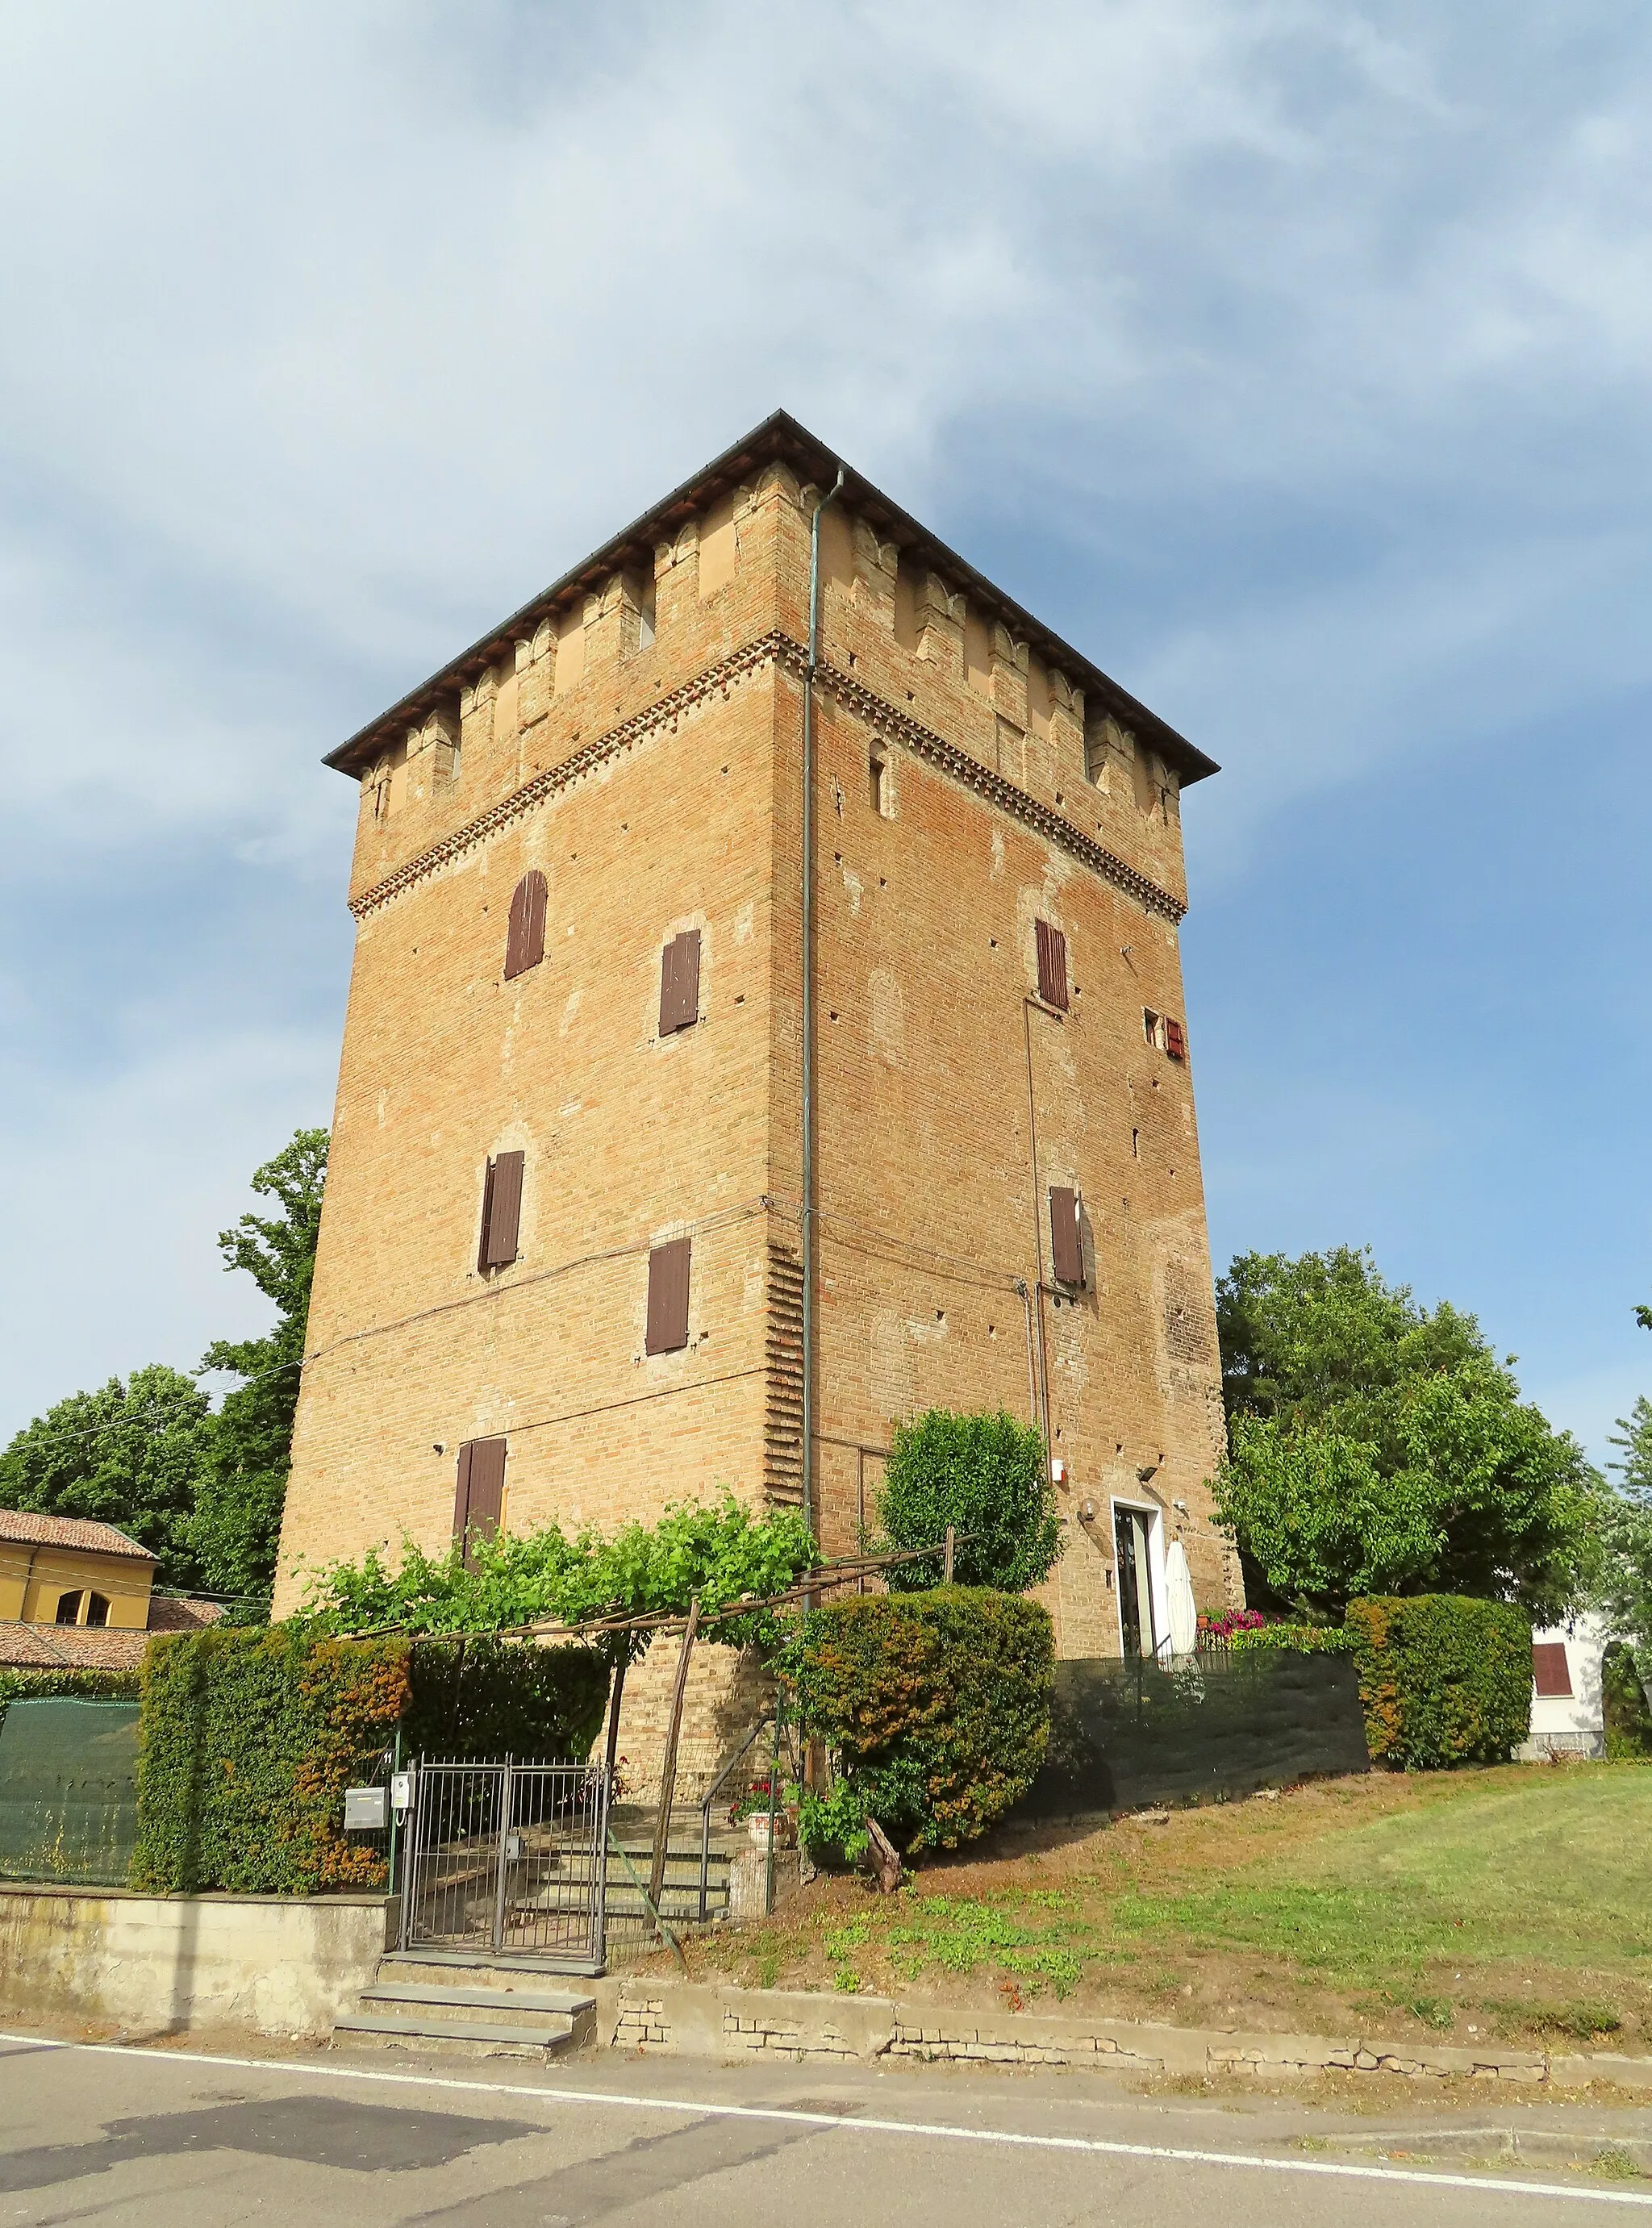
point(936, 2130)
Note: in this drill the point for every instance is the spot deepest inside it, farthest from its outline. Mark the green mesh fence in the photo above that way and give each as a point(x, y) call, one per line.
point(68, 1791)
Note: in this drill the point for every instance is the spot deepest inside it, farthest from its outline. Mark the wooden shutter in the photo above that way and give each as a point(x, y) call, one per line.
point(668, 1297)
point(1550, 1672)
point(1066, 1243)
point(502, 1202)
point(479, 1501)
point(680, 982)
point(1175, 1042)
point(1051, 965)
point(525, 942)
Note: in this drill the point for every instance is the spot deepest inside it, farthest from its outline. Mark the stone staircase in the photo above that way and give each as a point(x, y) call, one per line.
point(469, 2001)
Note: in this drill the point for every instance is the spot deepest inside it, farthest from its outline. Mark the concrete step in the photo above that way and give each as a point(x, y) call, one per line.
point(512, 2001)
point(542, 2034)
point(481, 1965)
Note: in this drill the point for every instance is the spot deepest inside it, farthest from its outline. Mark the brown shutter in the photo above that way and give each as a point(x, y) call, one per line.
point(1051, 965)
point(1175, 1042)
point(1066, 1246)
point(1550, 1672)
point(462, 1496)
point(668, 1297)
point(680, 982)
point(504, 1211)
point(525, 943)
point(483, 1252)
point(479, 1501)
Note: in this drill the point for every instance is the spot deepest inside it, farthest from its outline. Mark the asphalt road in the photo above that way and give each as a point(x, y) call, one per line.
point(164, 2138)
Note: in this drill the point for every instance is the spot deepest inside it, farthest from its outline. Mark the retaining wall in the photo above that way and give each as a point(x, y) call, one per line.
point(157, 1965)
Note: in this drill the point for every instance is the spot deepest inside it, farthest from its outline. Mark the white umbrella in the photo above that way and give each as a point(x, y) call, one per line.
point(1184, 1610)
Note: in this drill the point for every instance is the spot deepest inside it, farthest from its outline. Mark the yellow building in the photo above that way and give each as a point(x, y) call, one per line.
point(67, 1571)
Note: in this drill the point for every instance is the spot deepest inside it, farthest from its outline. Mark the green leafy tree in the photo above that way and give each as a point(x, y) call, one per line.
point(1624, 1590)
point(1378, 1447)
point(243, 1482)
point(986, 1476)
point(129, 1455)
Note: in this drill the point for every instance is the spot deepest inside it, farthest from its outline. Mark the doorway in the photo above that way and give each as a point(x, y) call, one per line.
point(1133, 1545)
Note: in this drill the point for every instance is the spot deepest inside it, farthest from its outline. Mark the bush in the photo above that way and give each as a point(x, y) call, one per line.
point(1445, 1679)
point(1629, 1719)
point(246, 1742)
point(21, 1685)
point(481, 1698)
point(1301, 1639)
point(938, 1707)
point(989, 1477)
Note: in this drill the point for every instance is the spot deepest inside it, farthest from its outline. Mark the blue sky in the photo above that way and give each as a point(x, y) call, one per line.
point(1293, 359)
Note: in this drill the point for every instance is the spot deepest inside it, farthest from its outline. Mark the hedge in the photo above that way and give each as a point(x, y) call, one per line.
point(249, 1737)
point(1628, 1716)
point(246, 1742)
point(1297, 1639)
point(482, 1698)
point(50, 1683)
point(1445, 1680)
point(937, 1705)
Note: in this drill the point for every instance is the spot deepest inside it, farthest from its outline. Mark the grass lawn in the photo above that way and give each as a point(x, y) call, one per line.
point(1515, 1902)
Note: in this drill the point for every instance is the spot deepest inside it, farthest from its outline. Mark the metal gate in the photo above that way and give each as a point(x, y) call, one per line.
point(506, 1857)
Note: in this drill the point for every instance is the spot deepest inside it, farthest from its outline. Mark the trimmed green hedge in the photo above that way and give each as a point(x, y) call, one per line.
point(1299, 1639)
point(246, 1743)
point(1445, 1679)
point(49, 1684)
point(937, 1705)
point(481, 1699)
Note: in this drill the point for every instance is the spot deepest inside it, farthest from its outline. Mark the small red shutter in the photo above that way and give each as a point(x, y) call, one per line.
point(668, 1297)
point(1051, 965)
point(1067, 1244)
point(462, 1496)
point(680, 982)
point(504, 1216)
point(1549, 1670)
point(1174, 1042)
point(525, 943)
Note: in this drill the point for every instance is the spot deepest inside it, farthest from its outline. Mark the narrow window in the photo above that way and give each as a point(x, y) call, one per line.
point(1153, 1028)
point(1551, 1675)
point(1176, 1042)
point(68, 1609)
point(525, 937)
point(502, 1203)
point(479, 1501)
point(668, 1297)
point(680, 982)
point(1066, 1243)
point(1051, 965)
point(879, 763)
point(645, 615)
point(97, 1610)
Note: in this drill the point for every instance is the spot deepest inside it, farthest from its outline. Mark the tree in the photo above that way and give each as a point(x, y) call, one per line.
point(128, 1455)
point(1624, 1590)
point(243, 1482)
point(1377, 1447)
point(986, 1476)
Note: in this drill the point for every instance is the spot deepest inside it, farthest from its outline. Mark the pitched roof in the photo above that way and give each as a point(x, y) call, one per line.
point(180, 1613)
point(29, 1530)
point(778, 437)
point(85, 1648)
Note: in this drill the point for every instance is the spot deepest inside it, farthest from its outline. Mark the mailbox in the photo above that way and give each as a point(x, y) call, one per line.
point(366, 1808)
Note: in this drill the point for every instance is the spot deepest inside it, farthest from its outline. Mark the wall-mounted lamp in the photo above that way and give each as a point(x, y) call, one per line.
point(1086, 1512)
point(1148, 1470)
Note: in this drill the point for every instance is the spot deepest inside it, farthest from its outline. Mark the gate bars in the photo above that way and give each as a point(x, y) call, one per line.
point(508, 1858)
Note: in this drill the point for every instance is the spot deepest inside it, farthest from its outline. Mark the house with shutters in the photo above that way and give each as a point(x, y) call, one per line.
point(766, 1023)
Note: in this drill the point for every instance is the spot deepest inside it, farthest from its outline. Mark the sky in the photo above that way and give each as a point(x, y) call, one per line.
point(1292, 359)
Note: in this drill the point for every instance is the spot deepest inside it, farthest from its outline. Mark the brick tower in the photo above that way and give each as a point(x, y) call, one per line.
point(562, 1259)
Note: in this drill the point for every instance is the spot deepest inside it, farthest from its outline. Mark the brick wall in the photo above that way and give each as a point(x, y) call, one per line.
point(655, 784)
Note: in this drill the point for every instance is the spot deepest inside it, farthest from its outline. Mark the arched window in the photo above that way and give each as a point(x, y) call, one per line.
point(525, 941)
point(68, 1609)
point(97, 1608)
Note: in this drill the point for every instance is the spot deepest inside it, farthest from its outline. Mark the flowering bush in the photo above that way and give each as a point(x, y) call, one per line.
point(1230, 1621)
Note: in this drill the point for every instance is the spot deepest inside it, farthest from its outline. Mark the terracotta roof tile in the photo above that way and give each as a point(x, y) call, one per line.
point(29, 1530)
point(176, 1613)
point(87, 1647)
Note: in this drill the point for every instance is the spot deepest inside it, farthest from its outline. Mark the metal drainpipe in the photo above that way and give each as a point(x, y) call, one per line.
point(1038, 1229)
point(809, 1005)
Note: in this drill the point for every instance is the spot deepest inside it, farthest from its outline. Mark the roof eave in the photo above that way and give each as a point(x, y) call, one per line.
point(780, 435)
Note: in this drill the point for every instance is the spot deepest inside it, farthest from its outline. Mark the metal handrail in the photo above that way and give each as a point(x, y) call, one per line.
point(712, 1794)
